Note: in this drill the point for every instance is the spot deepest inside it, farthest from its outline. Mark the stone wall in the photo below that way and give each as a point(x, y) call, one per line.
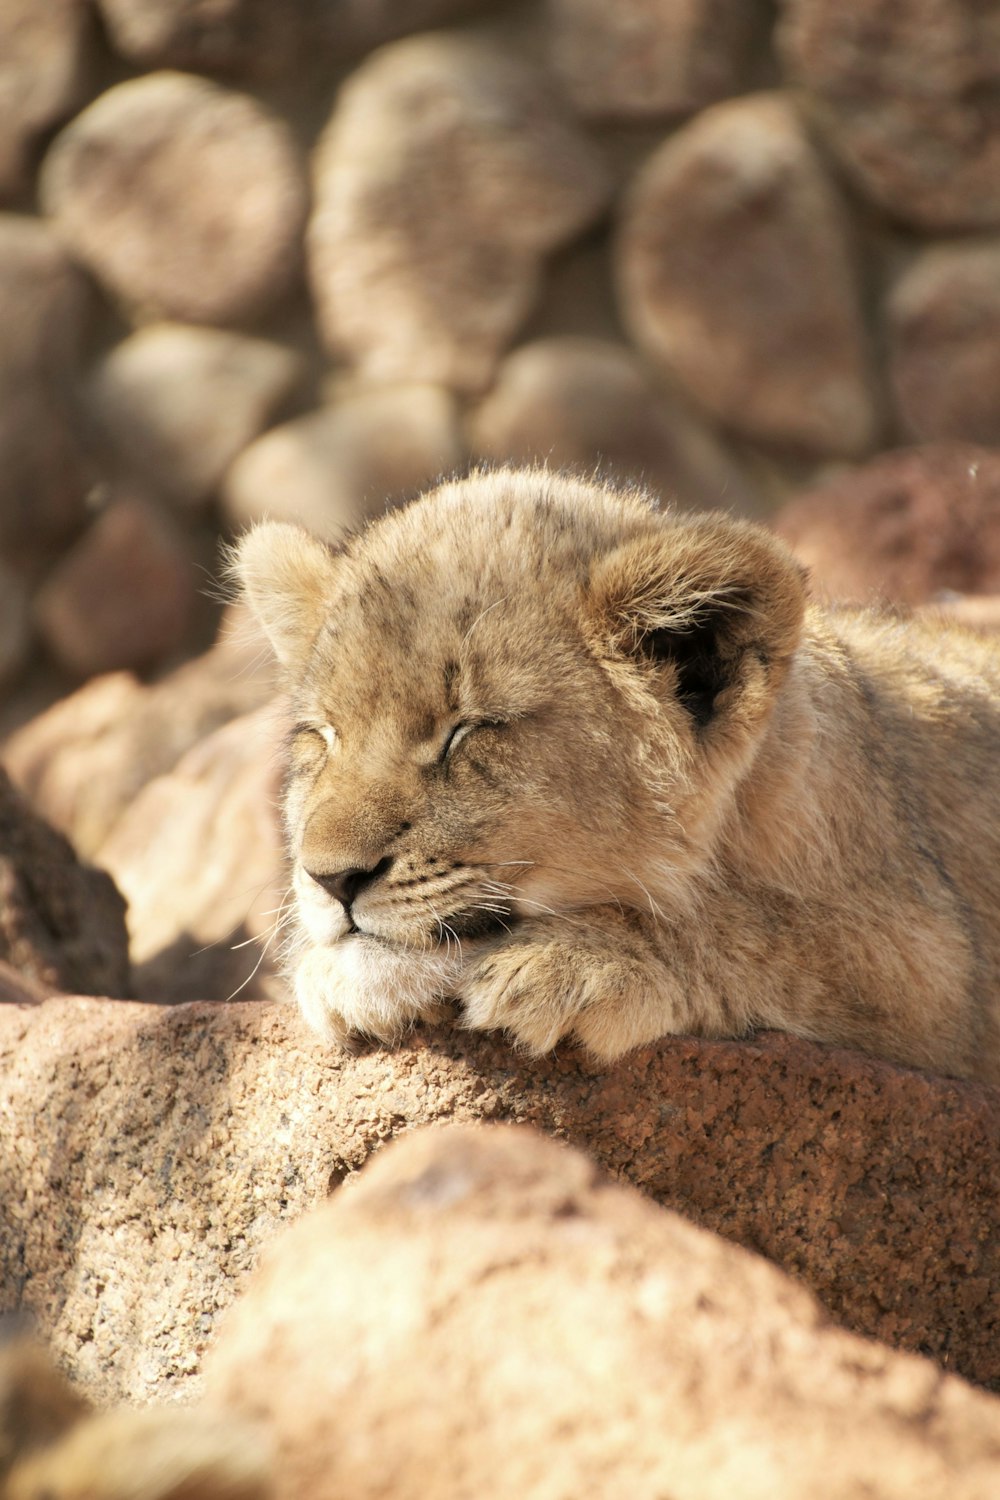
point(302, 258)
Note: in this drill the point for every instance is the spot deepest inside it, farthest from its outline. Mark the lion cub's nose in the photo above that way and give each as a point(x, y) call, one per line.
point(346, 885)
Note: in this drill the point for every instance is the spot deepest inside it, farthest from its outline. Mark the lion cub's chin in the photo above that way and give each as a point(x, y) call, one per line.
point(360, 985)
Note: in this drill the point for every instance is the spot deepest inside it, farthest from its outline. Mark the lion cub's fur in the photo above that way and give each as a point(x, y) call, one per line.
point(600, 771)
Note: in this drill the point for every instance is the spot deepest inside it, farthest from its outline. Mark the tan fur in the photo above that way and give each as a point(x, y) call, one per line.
point(679, 799)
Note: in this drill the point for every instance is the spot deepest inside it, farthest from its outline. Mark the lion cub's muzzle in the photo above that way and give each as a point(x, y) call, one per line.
point(397, 912)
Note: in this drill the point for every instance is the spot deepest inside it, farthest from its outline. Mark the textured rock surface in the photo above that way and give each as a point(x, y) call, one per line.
point(62, 924)
point(638, 59)
point(735, 271)
point(588, 405)
point(259, 37)
point(83, 761)
point(43, 74)
point(212, 164)
point(333, 468)
point(944, 331)
point(198, 857)
point(121, 596)
point(44, 305)
point(180, 403)
point(906, 94)
point(903, 527)
point(446, 174)
point(214, 1123)
point(484, 1314)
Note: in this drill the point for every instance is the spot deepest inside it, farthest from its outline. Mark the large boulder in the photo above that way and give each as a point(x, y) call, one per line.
point(485, 1314)
point(447, 173)
point(45, 69)
point(736, 273)
point(152, 1152)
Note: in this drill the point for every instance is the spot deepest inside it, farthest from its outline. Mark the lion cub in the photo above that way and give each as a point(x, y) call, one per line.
point(600, 772)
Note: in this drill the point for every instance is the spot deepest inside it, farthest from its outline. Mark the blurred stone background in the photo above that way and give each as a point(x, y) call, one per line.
point(301, 259)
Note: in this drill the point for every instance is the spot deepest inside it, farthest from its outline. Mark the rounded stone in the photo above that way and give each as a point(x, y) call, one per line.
point(44, 73)
point(589, 406)
point(179, 403)
point(735, 273)
point(640, 59)
point(121, 596)
point(904, 528)
point(448, 171)
point(185, 199)
point(944, 343)
point(331, 469)
point(906, 96)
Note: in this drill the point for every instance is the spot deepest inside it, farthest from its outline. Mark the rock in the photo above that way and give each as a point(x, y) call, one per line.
point(180, 403)
point(122, 595)
point(640, 59)
point(198, 1129)
point(198, 857)
point(83, 761)
point(44, 74)
point(905, 96)
point(212, 164)
point(944, 338)
point(903, 527)
point(331, 469)
point(735, 272)
point(62, 925)
point(588, 405)
point(45, 474)
point(447, 173)
point(258, 37)
point(486, 1315)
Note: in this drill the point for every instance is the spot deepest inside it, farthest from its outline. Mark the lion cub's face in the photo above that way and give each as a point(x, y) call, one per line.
point(519, 695)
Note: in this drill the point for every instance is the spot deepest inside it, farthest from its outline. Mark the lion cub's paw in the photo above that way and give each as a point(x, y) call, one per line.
point(360, 987)
point(543, 988)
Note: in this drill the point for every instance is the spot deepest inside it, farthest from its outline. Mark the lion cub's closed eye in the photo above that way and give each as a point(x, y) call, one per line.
point(599, 771)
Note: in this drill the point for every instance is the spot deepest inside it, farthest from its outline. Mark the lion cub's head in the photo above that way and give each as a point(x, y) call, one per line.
point(520, 694)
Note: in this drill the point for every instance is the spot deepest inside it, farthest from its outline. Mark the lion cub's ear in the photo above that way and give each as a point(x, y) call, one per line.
point(718, 602)
point(287, 577)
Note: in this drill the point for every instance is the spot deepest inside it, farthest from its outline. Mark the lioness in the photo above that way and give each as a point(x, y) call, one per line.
point(600, 771)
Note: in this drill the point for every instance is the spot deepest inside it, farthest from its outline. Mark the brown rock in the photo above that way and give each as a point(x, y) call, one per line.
point(44, 472)
point(904, 94)
point(198, 858)
point(333, 468)
point(259, 37)
point(485, 1315)
point(121, 597)
point(43, 76)
point(62, 924)
point(588, 405)
point(446, 174)
point(944, 332)
point(640, 58)
point(735, 271)
point(903, 527)
point(83, 761)
point(184, 198)
point(198, 1129)
point(180, 403)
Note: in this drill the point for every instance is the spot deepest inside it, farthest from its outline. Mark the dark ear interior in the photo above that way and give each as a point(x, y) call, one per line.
point(696, 655)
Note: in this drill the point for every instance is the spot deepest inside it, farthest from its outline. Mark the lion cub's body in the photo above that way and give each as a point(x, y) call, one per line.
point(599, 771)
